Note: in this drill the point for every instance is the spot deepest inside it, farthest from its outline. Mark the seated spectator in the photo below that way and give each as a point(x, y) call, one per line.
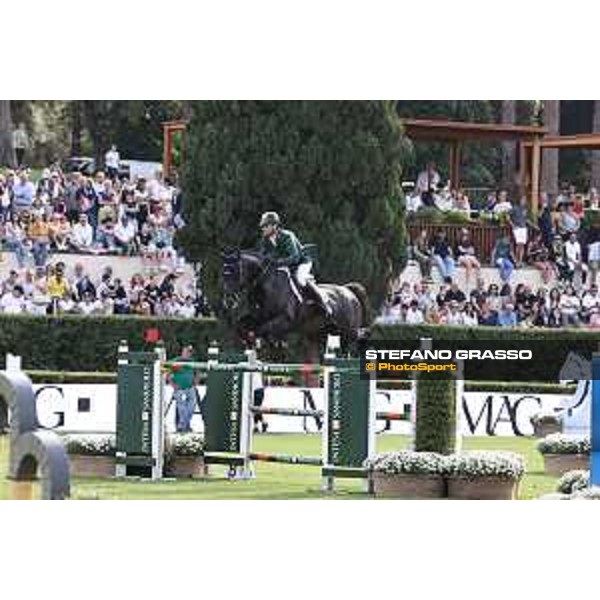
point(455, 294)
point(105, 303)
point(187, 309)
point(568, 222)
point(84, 286)
point(423, 253)
point(565, 274)
point(570, 306)
point(59, 231)
point(507, 316)
point(432, 316)
point(445, 200)
point(120, 300)
point(88, 304)
point(594, 322)
point(428, 183)
point(471, 315)
point(590, 301)
point(487, 316)
point(502, 258)
point(462, 204)
point(39, 233)
point(465, 255)
point(15, 239)
point(105, 235)
point(82, 235)
point(494, 300)
point(442, 255)
point(454, 316)
point(125, 234)
point(539, 257)
point(414, 315)
point(413, 202)
point(13, 302)
point(426, 298)
point(594, 199)
point(578, 208)
point(58, 289)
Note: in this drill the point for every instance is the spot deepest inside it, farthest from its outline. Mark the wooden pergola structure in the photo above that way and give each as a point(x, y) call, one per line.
point(456, 133)
point(581, 141)
point(170, 130)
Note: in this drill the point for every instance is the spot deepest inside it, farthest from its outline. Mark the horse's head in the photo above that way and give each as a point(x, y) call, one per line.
point(240, 272)
point(575, 368)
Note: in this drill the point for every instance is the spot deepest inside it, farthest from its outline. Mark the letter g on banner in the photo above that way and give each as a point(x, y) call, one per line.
point(32, 450)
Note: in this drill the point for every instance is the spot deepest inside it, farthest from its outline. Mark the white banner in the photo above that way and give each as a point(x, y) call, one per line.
point(87, 408)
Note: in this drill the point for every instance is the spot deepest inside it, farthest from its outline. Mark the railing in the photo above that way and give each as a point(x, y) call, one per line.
point(483, 235)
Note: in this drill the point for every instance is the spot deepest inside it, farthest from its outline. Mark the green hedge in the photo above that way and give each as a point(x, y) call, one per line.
point(86, 343)
point(436, 413)
point(82, 343)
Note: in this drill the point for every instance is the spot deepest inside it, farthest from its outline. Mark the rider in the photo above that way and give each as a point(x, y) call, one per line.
point(283, 247)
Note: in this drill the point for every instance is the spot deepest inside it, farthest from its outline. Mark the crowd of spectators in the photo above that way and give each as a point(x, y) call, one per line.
point(53, 290)
point(99, 214)
point(560, 245)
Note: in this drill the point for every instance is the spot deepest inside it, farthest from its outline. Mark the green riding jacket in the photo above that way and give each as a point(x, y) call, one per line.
point(287, 250)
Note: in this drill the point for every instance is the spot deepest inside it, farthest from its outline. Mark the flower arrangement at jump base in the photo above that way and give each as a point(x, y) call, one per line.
point(465, 475)
point(93, 455)
point(408, 474)
point(574, 485)
point(563, 453)
point(184, 455)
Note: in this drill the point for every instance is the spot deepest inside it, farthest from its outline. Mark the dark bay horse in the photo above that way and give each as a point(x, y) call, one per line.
point(264, 301)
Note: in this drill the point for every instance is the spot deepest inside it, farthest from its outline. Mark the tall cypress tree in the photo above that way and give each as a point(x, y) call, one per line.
point(331, 169)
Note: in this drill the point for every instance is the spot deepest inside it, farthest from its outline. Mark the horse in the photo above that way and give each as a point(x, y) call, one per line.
point(265, 302)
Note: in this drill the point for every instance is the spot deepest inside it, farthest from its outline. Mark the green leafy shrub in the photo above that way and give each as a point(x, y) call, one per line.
point(573, 481)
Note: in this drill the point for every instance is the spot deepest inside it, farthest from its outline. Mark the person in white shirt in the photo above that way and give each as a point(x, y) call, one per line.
point(574, 258)
point(88, 306)
point(454, 316)
point(413, 202)
point(569, 307)
point(428, 182)
point(187, 309)
point(590, 301)
point(503, 205)
point(82, 235)
point(112, 161)
point(125, 232)
point(20, 143)
point(414, 315)
point(13, 302)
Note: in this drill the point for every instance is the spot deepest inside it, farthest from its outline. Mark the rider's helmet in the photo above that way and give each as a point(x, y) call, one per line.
point(269, 218)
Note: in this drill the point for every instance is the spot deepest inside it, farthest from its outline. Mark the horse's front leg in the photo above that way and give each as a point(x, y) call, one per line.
point(275, 328)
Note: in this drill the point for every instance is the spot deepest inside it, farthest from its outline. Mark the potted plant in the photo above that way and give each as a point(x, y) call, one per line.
point(407, 474)
point(184, 455)
point(545, 424)
point(573, 481)
point(91, 455)
point(564, 453)
point(484, 475)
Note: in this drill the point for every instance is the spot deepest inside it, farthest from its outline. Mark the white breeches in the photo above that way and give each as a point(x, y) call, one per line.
point(303, 273)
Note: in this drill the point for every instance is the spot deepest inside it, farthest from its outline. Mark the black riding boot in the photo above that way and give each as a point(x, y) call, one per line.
point(319, 298)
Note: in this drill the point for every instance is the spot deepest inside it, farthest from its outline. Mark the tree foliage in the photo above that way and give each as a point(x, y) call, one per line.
point(332, 170)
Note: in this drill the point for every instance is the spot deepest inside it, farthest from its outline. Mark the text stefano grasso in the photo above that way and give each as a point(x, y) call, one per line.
point(384, 354)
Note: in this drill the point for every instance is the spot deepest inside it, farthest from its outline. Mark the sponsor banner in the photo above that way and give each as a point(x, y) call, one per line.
point(89, 408)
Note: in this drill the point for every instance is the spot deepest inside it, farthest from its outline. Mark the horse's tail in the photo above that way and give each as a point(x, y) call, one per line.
point(359, 291)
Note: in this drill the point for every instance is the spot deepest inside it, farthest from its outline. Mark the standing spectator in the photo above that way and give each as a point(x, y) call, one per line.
point(518, 220)
point(594, 254)
point(502, 206)
point(422, 253)
point(545, 223)
point(5, 198)
point(184, 380)
point(568, 222)
point(502, 258)
point(20, 143)
point(427, 184)
point(112, 161)
point(23, 192)
point(575, 260)
point(465, 255)
point(442, 255)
